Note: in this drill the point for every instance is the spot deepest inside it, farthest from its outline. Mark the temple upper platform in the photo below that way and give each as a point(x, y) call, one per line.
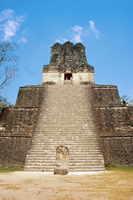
point(68, 62)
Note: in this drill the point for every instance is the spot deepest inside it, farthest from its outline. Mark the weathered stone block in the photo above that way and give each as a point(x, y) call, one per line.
point(62, 161)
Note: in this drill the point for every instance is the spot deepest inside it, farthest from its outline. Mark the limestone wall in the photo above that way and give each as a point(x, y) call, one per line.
point(85, 77)
point(15, 139)
point(53, 77)
point(13, 151)
point(68, 57)
point(105, 95)
point(68, 54)
point(3, 116)
point(58, 78)
point(29, 96)
point(117, 151)
point(19, 123)
point(115, 124)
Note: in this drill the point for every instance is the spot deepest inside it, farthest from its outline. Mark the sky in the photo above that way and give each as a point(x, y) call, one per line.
point(104, 27)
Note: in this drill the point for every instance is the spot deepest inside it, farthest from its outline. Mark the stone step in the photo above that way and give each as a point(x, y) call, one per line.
point(52, 154)
point(74, 133)
point(62, 125)
point(67, 132)
point(71, 169)
point(51, 141)
point(87, 125)
point(69, 124)
point(65, 135)
point(55, 130)
point(65, 97)
point(79, 164)
point(66, 117)
point(53, 146)
point(64, 105)
point(65, 143)
point(71, 131)
point(71, 152)
point(74, 165)
point(70, 148)
point(57, 137)
point(65, 112)
point(83, 129)
point(72, 120)
point(94, 144)
point(71, 159)
point(70, 156)
point(33, 163)
point(49, 100)
point(65, 139)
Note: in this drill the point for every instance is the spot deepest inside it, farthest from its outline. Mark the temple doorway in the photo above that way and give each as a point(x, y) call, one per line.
point(67, 76)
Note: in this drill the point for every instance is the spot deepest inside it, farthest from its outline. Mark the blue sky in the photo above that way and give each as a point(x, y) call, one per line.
point(105, 28)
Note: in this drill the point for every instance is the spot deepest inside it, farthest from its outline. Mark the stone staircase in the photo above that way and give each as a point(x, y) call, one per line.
point(66, 118)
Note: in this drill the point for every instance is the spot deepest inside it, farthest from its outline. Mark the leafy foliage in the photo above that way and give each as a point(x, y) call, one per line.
point(125, 100)
point(3, 102)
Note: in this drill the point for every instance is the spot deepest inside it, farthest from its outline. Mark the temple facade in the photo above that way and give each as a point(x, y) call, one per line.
point(68, 62)
point(68, 122)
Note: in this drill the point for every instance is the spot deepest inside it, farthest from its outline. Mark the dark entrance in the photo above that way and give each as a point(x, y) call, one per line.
point(68, 76)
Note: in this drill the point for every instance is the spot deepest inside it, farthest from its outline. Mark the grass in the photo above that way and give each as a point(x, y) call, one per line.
point(7, 170)
point(122, 169)
point(108, 168)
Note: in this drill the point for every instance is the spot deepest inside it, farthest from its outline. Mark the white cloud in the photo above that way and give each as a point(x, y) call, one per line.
point(9, 24)
point(6, 14)
point(23, 36)
point(64, 39)
point(77, 29)
point(24, 31)
point(77, 38)
point(77, 33)
point(22, 39)
point(59, 41)
point(9, 29)
point(20, 18)
point(92, 28)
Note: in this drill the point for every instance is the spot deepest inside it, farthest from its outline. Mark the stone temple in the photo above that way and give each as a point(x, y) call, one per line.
point(68, 122)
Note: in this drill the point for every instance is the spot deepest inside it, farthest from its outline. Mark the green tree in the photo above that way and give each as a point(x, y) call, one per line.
point(3, 102)
point(8, 67)
point(8, 64)
point(125, 100)
point(130, 103)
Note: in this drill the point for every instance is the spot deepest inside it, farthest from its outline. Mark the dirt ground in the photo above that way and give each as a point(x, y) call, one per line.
point(112, 185)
